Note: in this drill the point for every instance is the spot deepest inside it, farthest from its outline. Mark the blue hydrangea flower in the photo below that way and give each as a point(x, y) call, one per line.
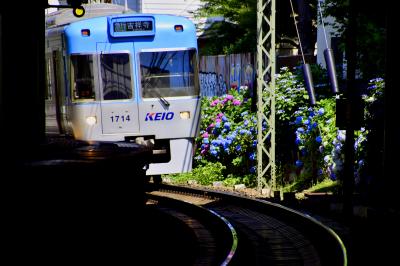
point(332, 176)
point(253, 169)
point(227, 125)
point(298, 120)
point(299, 163)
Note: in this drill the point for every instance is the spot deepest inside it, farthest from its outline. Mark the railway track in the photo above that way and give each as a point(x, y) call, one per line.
point(266, 233)
point(213, 241)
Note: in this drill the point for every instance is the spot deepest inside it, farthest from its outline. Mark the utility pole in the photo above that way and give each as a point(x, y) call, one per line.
point(391, 149)
point(266, 69)
point(353, 105)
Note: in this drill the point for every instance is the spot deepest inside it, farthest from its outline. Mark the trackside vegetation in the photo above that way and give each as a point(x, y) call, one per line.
point(309, 148)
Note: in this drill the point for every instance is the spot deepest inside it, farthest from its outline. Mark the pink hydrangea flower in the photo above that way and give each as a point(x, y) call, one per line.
point(236, 102)
point(215, 102)
point(229, 97)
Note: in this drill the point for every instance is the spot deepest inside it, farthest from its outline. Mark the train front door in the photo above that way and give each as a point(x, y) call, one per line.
point(119, 107)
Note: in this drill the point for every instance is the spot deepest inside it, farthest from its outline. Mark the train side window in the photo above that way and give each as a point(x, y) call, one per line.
point(82, 77)
point(116, 76)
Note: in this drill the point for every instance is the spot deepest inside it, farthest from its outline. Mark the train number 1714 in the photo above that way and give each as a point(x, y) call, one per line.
point(120, 118)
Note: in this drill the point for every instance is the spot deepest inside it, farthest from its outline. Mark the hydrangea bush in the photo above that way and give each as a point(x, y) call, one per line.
point(229, 135)
point(309, 145)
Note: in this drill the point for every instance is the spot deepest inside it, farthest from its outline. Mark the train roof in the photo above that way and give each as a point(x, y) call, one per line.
point(64, 16)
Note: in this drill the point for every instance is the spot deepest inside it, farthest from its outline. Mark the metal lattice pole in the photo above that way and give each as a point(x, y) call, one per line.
point(266, 168)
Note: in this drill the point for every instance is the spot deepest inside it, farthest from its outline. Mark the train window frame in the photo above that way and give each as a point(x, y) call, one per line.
point(157, 94)
point(94, 93)
point(49, 79)
point(131, 75)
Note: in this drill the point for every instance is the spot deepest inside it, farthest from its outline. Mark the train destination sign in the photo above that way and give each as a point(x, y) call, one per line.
point(131, 26)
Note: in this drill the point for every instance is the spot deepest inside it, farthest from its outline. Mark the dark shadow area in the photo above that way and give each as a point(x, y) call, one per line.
point(369, 235)
point(74, 202)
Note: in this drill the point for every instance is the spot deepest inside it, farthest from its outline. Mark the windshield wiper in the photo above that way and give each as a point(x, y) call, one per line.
point(161, 98)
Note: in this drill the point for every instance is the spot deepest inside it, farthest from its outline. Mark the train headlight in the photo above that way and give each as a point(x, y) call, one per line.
point(185, 115)
point(91, 120)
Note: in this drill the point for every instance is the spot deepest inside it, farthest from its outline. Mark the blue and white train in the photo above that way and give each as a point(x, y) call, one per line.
point(129, 78)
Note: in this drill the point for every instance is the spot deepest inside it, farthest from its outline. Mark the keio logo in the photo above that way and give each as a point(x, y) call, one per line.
point(159, 116)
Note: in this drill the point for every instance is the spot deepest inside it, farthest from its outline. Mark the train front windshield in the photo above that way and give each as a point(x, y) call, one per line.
point(115, 76)
point(82, 77)
point(169, 73)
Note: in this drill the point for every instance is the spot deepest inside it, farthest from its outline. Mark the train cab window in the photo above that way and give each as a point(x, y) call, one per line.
point(116, 76)
point(82, 77)
point(169, 73)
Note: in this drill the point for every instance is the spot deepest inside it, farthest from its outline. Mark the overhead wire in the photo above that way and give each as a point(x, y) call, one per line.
point(323, 24)
point(297, 31)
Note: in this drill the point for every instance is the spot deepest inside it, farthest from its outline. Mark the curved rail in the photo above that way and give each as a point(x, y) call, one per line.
point(223, 223)
point(234, 238)
point(327, 242)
